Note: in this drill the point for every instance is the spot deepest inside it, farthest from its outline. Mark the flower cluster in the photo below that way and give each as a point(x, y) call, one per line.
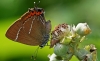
point(66, 38)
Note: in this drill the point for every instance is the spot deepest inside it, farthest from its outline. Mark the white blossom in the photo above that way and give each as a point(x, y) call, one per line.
point(83, 29)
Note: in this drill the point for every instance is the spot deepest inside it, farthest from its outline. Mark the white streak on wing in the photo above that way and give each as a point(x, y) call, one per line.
point(42, 20)
point(20, 29)
point(25, 22)
point(17, 34)
point(31, 26)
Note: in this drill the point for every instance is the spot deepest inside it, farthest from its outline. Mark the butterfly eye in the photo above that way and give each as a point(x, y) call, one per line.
point(39, 10)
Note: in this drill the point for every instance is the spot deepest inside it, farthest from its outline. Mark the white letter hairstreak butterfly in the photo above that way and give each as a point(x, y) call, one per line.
point(31, 28)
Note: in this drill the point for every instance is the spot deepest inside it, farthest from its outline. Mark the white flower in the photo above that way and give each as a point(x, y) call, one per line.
point(82, 29)
point(52, 57)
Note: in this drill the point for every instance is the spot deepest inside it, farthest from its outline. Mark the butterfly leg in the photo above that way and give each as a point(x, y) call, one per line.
point(47, 44)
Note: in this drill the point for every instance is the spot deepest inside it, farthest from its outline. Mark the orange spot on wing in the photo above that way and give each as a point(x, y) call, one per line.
point(32, 14)
point(38, 13)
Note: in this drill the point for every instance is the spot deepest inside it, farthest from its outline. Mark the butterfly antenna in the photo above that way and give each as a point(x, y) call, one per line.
point(38, 3)
point(35, 54)
point(35, 5)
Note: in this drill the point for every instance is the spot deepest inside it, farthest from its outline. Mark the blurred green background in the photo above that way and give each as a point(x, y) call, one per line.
point(62, 11)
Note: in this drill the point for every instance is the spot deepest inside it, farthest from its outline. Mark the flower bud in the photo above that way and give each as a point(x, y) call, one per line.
point(60, 49)
point(82, 29)
point(81, 53)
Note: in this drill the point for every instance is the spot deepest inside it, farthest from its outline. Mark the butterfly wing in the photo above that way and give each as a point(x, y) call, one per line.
point(31, 28)
point(48, 26)
point(30, 31)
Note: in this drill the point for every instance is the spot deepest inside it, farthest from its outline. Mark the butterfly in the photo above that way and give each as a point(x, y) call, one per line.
point(31, 28)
